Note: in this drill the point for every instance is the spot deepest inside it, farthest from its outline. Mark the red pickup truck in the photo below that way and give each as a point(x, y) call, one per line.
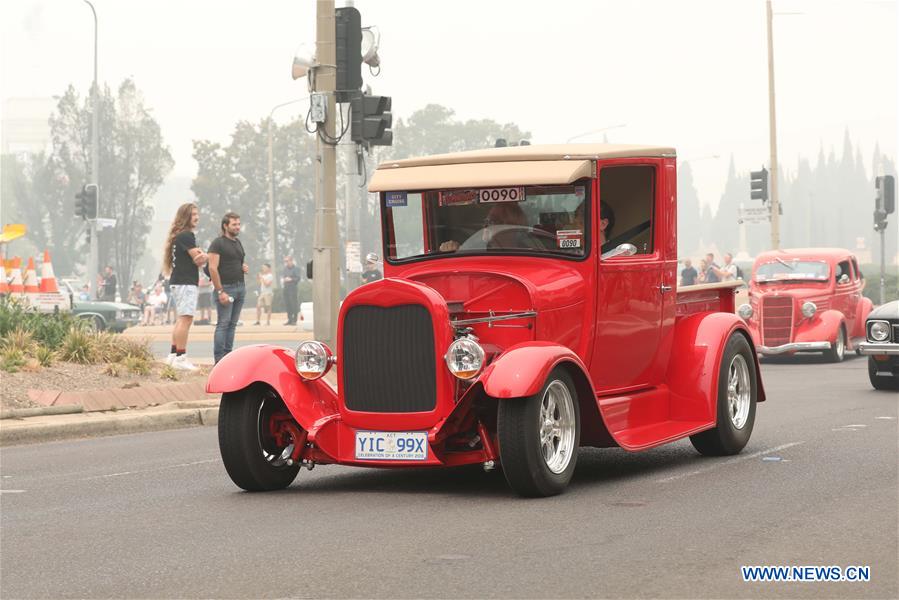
point(528, 308)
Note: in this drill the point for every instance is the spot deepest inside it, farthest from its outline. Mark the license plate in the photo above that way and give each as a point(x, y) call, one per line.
point(391, 445)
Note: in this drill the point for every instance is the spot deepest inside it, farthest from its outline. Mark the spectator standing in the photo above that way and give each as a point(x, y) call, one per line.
point(227, 268)
point(290, 278)
point(688, 273)
point(266, 281)
point(181, 260)
point(371, 272)
point(711, 270)
point(730, 271)
point(109, 285)
point(204, 300)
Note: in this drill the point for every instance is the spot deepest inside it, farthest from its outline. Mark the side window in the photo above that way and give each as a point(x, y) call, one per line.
point(407, 227)
point(843, 269)
point(858, 272)
point(626, 209)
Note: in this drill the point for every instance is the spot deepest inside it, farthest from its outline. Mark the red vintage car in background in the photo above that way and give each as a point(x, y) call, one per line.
point(528, 308)
point(806, 300)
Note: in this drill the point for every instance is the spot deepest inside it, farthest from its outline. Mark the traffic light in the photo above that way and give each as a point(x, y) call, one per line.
point(348, 24)
point(886, 194)
point(758, 185)
point(91, 193)
point(81, 203)
point(371, 120)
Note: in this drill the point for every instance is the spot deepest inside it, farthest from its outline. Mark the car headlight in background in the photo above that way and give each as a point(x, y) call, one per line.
point(745, 312)
point(312, 360)
point(809, 309)
point(465, 358)
point(879, 331)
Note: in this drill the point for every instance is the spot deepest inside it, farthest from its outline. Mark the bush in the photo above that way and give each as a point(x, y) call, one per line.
point(113, 369)
point(44, 356)
point(46, 329)
point(19, 339)
point(872, 283)
point(79, 346)
point(11, 360)
point(168, 372)
point(137, 365)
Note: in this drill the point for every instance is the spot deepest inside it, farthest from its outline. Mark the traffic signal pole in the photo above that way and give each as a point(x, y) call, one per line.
point(326, 283)
point(772, 132)
point(93, 267)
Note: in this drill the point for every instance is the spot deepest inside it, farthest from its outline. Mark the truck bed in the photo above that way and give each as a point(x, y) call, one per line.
point(707, 297)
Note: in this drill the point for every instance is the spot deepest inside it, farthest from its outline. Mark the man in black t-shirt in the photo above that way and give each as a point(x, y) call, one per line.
point(688, 274)
point(290, 279)
point(226, 268)
point(182, 260)
point(109, 285)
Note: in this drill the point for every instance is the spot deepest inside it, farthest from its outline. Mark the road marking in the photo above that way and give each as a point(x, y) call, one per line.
point(11, 491)
point(731, 461)
point(140, 472)
point(886, 418)
point(854, 427)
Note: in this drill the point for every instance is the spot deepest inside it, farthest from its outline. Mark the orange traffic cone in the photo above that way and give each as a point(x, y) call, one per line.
point(15, 284)
point(4, 285)
point(48, 279)
point(31, 278)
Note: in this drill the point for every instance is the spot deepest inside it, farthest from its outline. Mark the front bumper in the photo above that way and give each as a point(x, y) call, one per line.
point(891, 349)
point(794, 347)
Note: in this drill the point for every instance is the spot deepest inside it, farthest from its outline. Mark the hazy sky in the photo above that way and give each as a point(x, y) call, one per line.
point(686, 73)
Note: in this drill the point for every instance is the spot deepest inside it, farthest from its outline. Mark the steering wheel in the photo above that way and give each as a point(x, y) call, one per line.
point(626, 236)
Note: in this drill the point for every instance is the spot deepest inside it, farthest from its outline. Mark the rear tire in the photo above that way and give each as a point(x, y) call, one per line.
point(249, 452)
point(737, 396)
point(539, 437)
point(881, 382)
point(838, 350)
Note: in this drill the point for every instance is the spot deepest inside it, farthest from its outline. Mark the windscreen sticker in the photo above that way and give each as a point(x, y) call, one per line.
point(395, 199)
point(569, 238)
point(458, 197)
point(579, 191)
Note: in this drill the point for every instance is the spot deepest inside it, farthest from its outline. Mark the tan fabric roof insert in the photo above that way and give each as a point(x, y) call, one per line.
point(483, 174)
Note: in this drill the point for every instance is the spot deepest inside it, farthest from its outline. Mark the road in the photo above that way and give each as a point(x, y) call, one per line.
point(155, 515)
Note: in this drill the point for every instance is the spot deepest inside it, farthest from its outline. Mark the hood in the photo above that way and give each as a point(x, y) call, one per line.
point(796, 290)
point(890, 310)
point(496, 287)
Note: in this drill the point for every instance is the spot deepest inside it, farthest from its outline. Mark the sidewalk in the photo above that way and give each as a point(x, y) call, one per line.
point(249, 332)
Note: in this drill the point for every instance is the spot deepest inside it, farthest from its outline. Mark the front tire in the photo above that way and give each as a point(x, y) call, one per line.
point(737, 396)
point(838, 350)
point(251, 455)
point(539, 437)
point(881, 382)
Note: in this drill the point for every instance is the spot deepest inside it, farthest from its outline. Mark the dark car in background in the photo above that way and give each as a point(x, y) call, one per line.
point(882, 346)
point(102, 315)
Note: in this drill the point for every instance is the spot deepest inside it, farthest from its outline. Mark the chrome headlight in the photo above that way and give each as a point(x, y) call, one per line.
point(879, 331)
point(745, 312)
point(809, 309)
point(465, 358)
point(312, 360)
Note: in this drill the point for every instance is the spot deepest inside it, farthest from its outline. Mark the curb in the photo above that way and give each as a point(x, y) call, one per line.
point(39, 429)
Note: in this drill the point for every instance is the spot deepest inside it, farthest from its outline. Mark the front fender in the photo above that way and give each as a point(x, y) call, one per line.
point(696, 353)
point(307, 401)
point(523, 368)
point(822, 327)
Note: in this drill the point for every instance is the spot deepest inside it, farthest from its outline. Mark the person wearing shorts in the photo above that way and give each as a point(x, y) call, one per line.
point(183, 259)
point(266, 281)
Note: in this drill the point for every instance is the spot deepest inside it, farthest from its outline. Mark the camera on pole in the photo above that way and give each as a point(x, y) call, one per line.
point(371, 120)
point(348, 38)
point(758, 185)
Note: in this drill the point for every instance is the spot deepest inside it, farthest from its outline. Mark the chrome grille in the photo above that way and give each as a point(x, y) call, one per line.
point(777, 320)
point(896, 333)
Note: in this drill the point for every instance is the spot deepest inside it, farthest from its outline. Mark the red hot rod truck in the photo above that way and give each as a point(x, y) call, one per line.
point(528, 308)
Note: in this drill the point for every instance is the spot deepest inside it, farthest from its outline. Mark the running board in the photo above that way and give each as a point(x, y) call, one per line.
point(648, 436)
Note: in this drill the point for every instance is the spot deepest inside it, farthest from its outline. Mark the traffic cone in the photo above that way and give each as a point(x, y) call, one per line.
point(31, 286)
point(48, 279)
point(15, 284)
point(4, 285)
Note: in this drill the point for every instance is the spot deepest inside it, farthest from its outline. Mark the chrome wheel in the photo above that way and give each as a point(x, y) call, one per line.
point(840, 346)
point(739, 390)
point(557, 426)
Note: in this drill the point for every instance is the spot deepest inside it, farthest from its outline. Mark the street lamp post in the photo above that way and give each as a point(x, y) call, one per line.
point(93, 269)
point(271, 185)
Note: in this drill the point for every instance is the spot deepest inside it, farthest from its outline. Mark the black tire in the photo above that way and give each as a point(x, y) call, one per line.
point(838, 351)
point(881, 382)
point(520, 448)
point(247, 450)
point(726, 438)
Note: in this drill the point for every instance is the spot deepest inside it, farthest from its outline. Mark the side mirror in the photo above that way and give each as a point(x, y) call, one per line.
point(844, 279)
point(622, 250)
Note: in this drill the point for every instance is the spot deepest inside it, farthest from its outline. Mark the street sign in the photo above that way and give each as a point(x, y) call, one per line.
point(754, 215)
point(105, 223)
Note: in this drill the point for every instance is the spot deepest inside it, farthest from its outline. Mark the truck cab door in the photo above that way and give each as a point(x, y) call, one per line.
point(632, 290)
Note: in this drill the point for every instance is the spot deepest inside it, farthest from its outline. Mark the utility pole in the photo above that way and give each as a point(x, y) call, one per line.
point(93, 268)
point(326, 284)
point(772, 132)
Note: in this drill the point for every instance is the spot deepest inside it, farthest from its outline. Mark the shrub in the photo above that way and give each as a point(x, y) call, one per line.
point(31, 365)
point(19, 339)
point(11, 360)
point(137, 365)
point(113, 369)
point(168, 372)
point(115, 348)
point(44, 356)
point(78, 346)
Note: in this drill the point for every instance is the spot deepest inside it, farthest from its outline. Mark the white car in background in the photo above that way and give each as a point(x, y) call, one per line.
point(305, 323)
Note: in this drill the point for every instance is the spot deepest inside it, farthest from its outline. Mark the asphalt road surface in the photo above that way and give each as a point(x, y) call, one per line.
point(155, 515)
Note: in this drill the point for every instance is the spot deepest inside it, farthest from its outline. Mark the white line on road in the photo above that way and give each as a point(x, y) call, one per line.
point(180, 465)
point(731, 461)
point(11, 491)
point(886, 418)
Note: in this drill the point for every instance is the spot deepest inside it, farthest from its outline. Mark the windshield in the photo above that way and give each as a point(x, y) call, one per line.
point(543, 220)
point(812, 270)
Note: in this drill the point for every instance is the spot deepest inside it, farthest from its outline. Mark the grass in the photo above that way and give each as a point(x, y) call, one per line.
point(137, 365)
point(79, 346)
point(44, 356)
point(19, 339)
point(11, 360)
point(168, 372)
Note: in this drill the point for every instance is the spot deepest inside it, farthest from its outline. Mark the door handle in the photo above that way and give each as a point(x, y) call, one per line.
point(664, 288)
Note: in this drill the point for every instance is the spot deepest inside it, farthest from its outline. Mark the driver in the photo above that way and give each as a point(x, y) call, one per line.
point(503, 214)
point(606, 221)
